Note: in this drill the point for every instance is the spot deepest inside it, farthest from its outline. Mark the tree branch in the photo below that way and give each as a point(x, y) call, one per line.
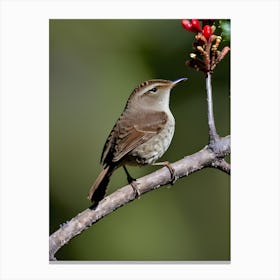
point(222, 165)
point(214, 144)
point(207, 157)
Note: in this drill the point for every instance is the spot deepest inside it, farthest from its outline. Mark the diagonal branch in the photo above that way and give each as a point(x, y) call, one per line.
point(207, 157)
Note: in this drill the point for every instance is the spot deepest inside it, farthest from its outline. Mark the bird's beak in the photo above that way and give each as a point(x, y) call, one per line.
point(174, 83)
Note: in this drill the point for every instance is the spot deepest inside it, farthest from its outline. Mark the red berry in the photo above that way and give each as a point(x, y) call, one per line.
point(207, 31)
point(187, 25)
point(196, 25)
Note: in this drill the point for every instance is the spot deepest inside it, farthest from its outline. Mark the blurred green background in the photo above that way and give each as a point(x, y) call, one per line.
point(94, 66)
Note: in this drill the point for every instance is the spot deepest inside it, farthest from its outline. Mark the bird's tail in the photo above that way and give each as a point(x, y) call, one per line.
point(98, 189)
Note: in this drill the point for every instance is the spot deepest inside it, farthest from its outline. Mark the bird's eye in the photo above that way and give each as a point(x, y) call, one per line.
point(153, 89)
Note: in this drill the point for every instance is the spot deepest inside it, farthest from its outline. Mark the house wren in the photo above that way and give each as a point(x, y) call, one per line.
point(140, 136)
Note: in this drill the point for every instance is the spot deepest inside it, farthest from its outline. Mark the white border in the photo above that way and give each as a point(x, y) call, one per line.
point(255, 141)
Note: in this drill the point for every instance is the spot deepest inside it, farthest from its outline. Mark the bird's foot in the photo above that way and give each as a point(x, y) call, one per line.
point(136, 190)
point(173, 177)
point(132, 182)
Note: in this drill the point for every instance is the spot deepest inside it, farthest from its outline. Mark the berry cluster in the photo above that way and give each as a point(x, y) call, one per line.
point(194, 26)
point(206, 53)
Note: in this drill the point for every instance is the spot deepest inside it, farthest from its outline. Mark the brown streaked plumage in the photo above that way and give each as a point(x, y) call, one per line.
point(141, 135)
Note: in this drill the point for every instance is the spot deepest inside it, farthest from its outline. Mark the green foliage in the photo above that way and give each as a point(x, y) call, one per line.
point(224, 25)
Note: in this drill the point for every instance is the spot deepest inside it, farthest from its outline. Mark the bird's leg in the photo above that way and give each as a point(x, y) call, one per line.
point(130, 179)
point(170, 168)
point(132, 182)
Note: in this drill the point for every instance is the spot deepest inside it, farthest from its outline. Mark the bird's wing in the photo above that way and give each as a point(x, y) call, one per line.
point(127, 135)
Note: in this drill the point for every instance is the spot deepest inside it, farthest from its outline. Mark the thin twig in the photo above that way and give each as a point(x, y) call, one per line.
point(211, 122)
point(184, 167)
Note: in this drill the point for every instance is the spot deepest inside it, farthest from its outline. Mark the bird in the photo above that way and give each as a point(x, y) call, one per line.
point(140, 136)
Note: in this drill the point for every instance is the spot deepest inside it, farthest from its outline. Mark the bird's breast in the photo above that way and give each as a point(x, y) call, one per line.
point(150, 151)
